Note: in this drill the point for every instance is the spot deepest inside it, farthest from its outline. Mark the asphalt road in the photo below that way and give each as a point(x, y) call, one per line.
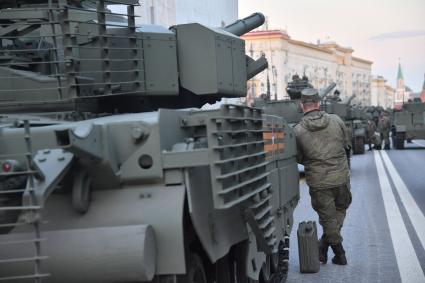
point(384, 232)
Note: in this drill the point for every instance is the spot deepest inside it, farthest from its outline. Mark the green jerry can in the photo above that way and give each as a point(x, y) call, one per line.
point(308, 247)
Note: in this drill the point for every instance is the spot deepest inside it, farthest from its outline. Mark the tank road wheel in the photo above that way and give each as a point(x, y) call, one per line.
point(266, 271)
point(399, 140)
point(283, 266)
point(195, 271)
point(358, 145)
point(276, 272)
point(239, 265)
point(81, 192)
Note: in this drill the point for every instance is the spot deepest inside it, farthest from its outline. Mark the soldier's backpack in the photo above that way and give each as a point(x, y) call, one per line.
point(308, 247)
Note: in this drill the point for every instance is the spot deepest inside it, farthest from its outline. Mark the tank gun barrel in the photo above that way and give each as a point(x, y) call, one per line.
point(324, 92)
point(245, 25)
point(350, 99)
point(240, 27)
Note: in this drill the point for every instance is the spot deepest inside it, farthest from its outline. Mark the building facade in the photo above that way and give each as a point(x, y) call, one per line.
point(382, 94)
point(170, 12)
point(377, 90)
point(322, 63)
point(388, 101)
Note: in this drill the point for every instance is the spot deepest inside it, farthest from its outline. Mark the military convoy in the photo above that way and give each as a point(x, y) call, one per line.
point(290, 109)
point(104, 178)
point(354, 117)
point(408, 123)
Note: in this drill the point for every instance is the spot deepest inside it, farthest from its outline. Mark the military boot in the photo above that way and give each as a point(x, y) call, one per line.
point(339, 252)
point(323, 250)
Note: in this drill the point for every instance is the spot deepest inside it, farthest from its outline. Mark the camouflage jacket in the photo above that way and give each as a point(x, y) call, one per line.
point(321, 142)
point(384, 124)
point(371, 128)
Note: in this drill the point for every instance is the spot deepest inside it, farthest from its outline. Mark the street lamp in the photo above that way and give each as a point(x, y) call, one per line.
point(274, 73)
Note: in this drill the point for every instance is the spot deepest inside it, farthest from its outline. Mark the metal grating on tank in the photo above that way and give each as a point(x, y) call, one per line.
point(238, 166)
point(66, 53)
point(17, 214)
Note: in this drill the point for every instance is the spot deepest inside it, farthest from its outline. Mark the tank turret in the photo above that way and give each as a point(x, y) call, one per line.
point(97, 61)
point(350, 99)
point(290, 108)
point(295, 86)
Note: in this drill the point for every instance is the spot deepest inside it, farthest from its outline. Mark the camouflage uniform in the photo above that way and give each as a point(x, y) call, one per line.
point(370, 132)
point(384, 127)
point(321, 140)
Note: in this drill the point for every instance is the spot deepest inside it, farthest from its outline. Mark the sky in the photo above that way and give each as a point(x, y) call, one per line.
point(382, 31)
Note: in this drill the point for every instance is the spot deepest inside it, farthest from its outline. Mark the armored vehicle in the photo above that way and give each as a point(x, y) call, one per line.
point(408, 123)
point(374, 112)
point(100, 183)
point(290, 109)
point(357, 121)
point(354, 118)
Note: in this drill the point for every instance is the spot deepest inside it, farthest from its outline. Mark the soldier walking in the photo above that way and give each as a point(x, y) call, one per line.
point(321, 143)
point(370, 132)
point(384, 127)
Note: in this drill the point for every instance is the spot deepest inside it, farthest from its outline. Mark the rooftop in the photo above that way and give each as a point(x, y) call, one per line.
point(324, 46)
point(266, 33)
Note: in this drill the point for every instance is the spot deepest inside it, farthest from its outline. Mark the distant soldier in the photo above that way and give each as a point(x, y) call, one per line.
point(384, 126)
point(370, 132)
point(321, 143)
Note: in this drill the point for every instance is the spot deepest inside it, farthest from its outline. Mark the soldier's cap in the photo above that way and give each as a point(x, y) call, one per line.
point(309, 95)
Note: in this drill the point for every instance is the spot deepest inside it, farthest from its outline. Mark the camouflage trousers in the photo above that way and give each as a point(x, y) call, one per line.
point(385, 136)
point(331, 205)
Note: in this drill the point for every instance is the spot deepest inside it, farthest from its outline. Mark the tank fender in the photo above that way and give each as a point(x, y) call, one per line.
point(217, 230)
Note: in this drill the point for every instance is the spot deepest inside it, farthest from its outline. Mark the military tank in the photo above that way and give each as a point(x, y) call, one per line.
point(357, 121)
point(290, 109)
point(408, 123)
point(354, 117)
point(104, 178)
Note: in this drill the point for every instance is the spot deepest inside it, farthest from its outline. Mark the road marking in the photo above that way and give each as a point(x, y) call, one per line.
point(407, 260)
point(415, 214)
point(419, 143)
